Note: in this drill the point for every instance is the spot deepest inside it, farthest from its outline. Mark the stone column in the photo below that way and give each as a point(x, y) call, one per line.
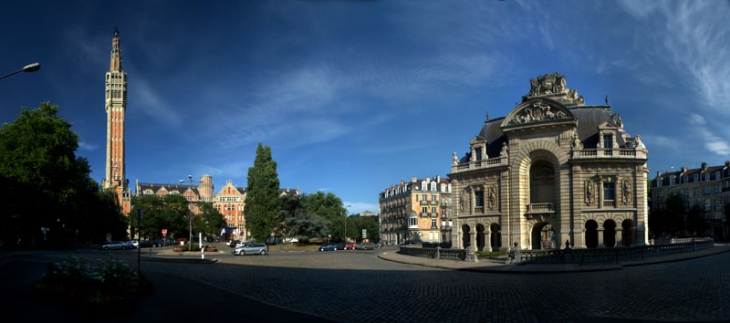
point(619, 237)
point(600, 237)
point(473, 236)
point(487, 240)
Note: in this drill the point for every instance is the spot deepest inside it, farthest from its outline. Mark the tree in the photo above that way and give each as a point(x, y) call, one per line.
point(369, 223)
point(299, 222)
point(45, 184)
point(329, 207)
point(674, 212)
point(168, 212)
point(209, 221)
point(262, 196)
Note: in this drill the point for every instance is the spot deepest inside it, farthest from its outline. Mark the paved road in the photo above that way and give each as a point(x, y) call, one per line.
point(356, 286)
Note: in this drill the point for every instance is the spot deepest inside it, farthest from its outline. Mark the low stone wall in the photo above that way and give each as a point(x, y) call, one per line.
point(578, 256)
point(434, 253)
point(616, 255)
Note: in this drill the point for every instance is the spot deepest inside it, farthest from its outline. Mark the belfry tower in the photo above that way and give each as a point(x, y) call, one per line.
point(116, 105)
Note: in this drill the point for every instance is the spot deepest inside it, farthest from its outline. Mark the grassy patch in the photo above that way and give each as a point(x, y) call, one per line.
point(296, 247)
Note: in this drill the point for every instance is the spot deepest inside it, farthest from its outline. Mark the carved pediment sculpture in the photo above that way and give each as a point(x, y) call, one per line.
point(553, 85)
point(538, 111)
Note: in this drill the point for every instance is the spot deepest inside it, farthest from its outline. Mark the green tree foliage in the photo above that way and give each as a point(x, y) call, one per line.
point(299, 222)
point(674, 213)
point(209, 221)
point(45, 184)
point(356, 223)
point(329, 207)
point(262, 196)
point(169, 212)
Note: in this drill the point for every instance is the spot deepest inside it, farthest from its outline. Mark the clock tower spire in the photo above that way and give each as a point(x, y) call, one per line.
point(116, 105)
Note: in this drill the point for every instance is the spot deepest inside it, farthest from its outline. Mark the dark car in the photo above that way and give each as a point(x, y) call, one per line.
point(147, 244)
point(328, 247)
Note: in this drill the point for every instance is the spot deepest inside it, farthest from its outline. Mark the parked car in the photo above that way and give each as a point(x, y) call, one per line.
point(233, 243)
point(251, 249)
point(378, 245)
point(350, 246)
point(328, 247)
point(115, 245)
point(369, 246)
point(147, 244)
point(360, 246)
point(132, 244)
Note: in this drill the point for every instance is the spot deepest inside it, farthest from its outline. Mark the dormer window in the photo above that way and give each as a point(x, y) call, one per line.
point(478, 152)
point(608, 141)
point(717, 176)
point(707, 177)
point(671, 181)
point(696, 178)
point(433, 186)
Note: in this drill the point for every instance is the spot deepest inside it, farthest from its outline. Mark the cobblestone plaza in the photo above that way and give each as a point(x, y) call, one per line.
point(357, 286)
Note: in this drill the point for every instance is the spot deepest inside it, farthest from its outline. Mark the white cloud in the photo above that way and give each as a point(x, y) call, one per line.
point(146, 99)
point(712, 142)
point(86, 146)
point(359, 207)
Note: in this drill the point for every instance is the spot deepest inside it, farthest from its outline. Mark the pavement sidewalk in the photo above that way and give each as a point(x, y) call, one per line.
point(502, 265)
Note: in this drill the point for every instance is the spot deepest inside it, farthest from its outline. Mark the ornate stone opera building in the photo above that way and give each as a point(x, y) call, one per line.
point(553, 171)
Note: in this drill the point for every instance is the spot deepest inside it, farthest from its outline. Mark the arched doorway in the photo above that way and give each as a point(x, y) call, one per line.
point(480, 237)
point(465, 236)
point(627, 233)
point(496, 237)
point(542, 182)
point(543, 236)
point(591, 234)
point(609, 234)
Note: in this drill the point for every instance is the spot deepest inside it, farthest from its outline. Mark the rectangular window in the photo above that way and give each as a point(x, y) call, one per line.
point(609, 191)
point(433, 198)
point(608, 141)
point(707, 190)
point(433, 210)
point(433, 223)
point(478, 151)
point(479, 198)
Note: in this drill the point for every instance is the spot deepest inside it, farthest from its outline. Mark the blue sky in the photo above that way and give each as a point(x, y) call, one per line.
point(354, 96)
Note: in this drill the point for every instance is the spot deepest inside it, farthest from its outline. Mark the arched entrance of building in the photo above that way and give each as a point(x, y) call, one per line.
point(591, 234)
point(627, 233)
point(609, 234)
point(543, 236)
point(480, 237)
point(466, 236)
point(495, 236)
point(542, 182)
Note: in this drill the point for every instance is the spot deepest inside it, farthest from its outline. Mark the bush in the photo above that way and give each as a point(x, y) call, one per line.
point(101, 288)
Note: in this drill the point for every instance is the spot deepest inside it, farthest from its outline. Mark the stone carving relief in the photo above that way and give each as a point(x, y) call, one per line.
point(590, 194)
point(465, 200)
point(492, 198)
point(537, 111)
point(626, 191)
point(576, 144)
point(554, 86)
point(505, 150)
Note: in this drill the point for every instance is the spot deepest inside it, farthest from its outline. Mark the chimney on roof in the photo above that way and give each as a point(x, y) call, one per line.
point(415, 179)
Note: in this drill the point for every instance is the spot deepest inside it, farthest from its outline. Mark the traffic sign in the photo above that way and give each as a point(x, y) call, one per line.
point(164, 232)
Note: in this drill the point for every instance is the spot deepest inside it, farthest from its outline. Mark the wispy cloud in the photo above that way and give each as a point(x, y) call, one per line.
point(692, 39)
point(147, 99)
point(712, 142)
point(87, 146)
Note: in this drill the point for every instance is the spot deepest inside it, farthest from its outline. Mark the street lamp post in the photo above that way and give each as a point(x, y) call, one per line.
point(27, 68)
point(190, 215)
